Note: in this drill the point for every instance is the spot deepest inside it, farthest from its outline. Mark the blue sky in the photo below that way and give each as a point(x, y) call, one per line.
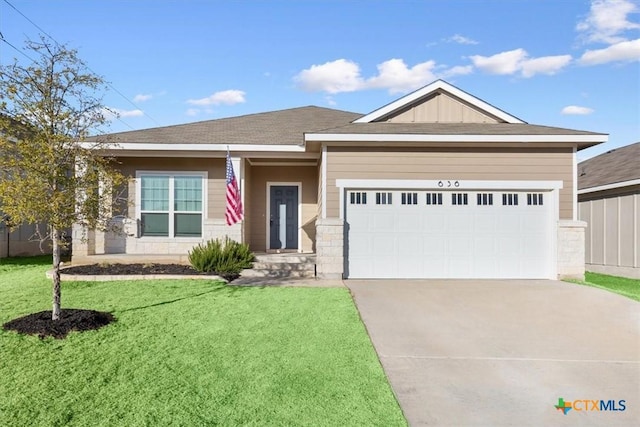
point(566, 63)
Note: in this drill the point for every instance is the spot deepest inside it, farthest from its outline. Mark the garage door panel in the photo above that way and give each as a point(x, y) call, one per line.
point(433, 240)
point(410, 221)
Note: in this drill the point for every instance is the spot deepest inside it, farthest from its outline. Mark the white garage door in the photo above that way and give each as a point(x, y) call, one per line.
point(448, 234)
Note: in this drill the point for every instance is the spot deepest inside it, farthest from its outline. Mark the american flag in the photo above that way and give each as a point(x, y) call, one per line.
point(234, 212)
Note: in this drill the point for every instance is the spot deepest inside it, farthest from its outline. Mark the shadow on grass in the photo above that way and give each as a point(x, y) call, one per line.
point(26, 261)
point(224, 289)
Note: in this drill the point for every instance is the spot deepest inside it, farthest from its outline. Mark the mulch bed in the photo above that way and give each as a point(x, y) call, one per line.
point(132, 269)
point(71, 319)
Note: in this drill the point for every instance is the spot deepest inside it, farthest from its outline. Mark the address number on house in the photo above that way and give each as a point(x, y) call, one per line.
point(448, 184)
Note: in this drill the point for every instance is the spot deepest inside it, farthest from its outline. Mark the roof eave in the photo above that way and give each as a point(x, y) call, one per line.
point(611, 186)
point(582, 141)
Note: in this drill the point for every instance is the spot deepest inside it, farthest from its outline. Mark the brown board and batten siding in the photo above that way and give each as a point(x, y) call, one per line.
point(499, 164)
point(215, 169)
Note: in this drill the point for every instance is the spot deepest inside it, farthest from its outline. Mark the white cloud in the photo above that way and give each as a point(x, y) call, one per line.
point(192, 112)
point(225, 97)
point(518, 61)
point(343, 75)
point(457, 38)
point(142, 97)
point(508, 62)
point(330, 101)
point(336, 76)
point(112, 113)
point(544, 65)
point(576, 110)
point(623, 51)
point(607, 19)
point(458, 70)
point(395, 76)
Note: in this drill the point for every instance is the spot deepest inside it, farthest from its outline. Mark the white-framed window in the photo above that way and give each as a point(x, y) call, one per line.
point(409, 198)
point(384, 198)
point(485, 199)
point(358, 198)
point(171, 204)
point(510, 199)
point(434, 198)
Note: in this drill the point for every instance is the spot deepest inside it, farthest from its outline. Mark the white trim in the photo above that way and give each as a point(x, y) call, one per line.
point(205, 199)
point(555, 198)
point(280, 164)
point(574, 196)
point(433, 87)
point(146, 146)
point(552, 200)
point(462, 184)
point(402, 137)
point(324, 181)
point(268, 212)
point(610, 186)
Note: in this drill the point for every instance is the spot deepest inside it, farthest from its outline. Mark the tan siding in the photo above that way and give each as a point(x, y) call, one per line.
point(215, 169)
point(626, 230)
point(441, 108)
point(455, 164)
point(584, 214)
point(613, 231)
point(247, 202)
point(260, 175)
point(597, 232)
point(319, 210)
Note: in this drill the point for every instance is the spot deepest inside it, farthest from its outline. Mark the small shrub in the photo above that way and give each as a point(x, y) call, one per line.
point(225, 258)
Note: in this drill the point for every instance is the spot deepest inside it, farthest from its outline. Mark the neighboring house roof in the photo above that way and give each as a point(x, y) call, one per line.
point(615, 166)
point(283, 127)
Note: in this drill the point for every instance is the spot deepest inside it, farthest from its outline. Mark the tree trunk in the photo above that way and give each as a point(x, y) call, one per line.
point(55, 237)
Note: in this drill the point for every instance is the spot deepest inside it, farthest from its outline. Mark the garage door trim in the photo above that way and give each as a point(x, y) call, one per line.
point(551, 187)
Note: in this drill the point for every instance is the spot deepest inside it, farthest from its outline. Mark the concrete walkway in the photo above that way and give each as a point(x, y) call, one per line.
point(492, 353)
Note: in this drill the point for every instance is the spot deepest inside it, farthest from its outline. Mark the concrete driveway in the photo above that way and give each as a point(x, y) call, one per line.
point(502, 352)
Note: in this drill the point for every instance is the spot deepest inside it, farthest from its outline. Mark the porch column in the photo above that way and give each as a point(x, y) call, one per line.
point(571, 249)
point(83, 241)
point(329, 248)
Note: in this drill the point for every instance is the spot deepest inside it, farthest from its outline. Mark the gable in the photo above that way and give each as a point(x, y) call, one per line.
point(440, 107)
point(439, 102)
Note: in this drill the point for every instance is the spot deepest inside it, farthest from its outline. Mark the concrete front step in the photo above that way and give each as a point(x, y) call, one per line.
point(283, 265)
point(286, 258)
point(297, 266)
point(278, 273)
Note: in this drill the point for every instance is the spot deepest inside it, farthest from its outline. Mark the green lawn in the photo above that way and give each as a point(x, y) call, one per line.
point(190, 353)
point(620, 285)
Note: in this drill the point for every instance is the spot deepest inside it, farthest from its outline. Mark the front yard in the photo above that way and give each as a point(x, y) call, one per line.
point(630, 288)
point(190, 353)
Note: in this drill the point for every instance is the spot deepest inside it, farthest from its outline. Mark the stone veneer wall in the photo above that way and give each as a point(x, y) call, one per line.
point(120, 239)
point(329, 248)
point(571, 249)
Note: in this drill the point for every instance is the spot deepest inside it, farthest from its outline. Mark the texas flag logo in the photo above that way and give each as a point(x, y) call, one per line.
point(563, 406)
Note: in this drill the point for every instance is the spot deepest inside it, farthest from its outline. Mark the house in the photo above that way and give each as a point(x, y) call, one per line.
point(18, 239)
point(437, 184)
point(609, 201)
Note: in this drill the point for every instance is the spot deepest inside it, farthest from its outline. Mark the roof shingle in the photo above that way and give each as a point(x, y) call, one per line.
point(617, 165)
point(271, 128)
